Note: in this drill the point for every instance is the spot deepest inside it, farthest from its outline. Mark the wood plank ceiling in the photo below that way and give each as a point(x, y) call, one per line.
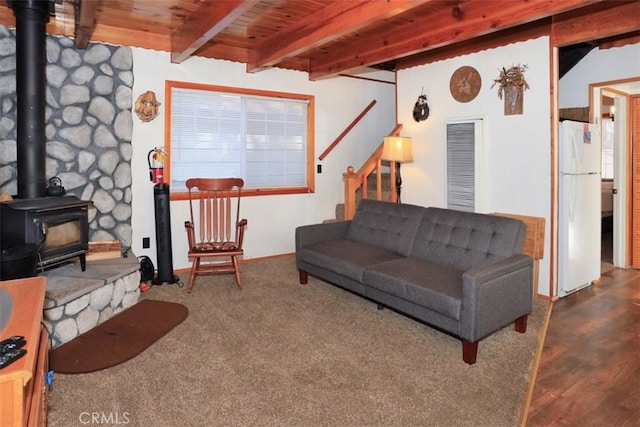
point(331, 37)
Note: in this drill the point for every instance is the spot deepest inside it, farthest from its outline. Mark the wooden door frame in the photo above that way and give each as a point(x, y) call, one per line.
point(629, 171)
point(634, 113)
point(594, 108)
point(614, 20)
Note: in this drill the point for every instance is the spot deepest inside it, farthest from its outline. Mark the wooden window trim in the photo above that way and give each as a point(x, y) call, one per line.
point(310, 188)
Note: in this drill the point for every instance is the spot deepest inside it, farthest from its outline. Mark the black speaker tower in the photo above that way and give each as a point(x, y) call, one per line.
point(163, 236)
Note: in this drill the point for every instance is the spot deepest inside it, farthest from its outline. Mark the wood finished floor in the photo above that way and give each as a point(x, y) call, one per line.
point(589, 371)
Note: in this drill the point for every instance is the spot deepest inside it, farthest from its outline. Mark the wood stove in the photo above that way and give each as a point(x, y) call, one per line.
point(59, 225)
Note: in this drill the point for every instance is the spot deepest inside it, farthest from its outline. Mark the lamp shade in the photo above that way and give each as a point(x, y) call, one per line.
point(397, 149)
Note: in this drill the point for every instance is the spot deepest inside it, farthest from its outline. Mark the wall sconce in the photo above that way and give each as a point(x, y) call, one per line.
point(397, 149)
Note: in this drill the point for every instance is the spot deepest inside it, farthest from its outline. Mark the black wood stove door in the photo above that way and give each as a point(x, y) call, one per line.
point(59, 225)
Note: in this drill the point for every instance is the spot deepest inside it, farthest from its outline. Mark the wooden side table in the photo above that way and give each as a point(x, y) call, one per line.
point(533, 242)
point(22, 383)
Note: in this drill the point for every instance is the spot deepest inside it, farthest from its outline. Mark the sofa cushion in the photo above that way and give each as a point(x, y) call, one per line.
point(464, 240)
point(430, 285)
point(387, 225)
point(346, 257)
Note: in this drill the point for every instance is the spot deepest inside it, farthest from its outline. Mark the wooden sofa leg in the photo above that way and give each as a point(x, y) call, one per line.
point(304, 277)
point(521, 324)
point(469, 351)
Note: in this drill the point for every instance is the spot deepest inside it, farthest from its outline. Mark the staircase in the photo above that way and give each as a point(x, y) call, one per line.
point(374, 180)
point(371, 189)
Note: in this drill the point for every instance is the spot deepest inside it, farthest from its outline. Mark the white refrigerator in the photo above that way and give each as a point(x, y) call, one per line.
point(580, 216)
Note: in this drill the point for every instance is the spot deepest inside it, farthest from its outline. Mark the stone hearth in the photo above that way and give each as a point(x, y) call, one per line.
point(77, 301)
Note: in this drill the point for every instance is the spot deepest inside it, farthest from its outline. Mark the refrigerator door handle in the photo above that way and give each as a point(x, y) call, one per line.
point(573, 196)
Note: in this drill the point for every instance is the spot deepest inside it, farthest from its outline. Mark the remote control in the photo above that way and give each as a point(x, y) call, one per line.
point(11, 340)
point(11, 356)
point(12, 343)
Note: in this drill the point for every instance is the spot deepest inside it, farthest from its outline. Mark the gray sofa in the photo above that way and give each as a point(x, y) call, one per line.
point(461, 272)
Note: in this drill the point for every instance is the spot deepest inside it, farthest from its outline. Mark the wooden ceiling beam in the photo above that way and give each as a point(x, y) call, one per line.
point(618, 18)
point(85, 22)
point(227, 53)
point(524, 32)
point(131, 37)
point(471, 19)
point(611, 42)
point(210, 19)
point(327, 25)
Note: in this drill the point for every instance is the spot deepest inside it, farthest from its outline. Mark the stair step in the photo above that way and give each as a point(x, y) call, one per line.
point(386, 195)
point(339, 212)
point(371, 190)
point(386, 182)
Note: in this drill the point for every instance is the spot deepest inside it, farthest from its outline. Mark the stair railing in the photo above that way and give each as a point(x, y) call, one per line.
point(354, 181)
point(347, 130)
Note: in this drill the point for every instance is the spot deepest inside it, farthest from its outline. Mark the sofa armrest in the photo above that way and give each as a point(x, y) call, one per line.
point(314, 233)
point(494, 295)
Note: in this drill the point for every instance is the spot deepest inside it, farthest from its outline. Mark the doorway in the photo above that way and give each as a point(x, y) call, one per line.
point(621, 222)
point(607, 182)
point(611, 107)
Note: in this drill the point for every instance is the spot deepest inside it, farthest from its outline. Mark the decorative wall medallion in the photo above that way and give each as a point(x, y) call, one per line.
point(147, 106)
point(465, 84)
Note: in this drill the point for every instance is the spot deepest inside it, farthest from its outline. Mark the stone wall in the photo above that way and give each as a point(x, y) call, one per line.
point(88, 128)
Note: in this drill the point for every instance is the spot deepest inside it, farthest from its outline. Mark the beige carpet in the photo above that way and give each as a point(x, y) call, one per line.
point(280, 354)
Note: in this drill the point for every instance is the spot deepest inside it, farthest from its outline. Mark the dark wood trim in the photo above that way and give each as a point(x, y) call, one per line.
point(85, 22)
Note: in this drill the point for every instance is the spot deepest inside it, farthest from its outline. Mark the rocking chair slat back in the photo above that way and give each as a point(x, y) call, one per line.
point(216, 199)
point(219, 231)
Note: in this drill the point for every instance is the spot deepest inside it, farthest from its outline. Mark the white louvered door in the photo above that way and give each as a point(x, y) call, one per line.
point(465, 166)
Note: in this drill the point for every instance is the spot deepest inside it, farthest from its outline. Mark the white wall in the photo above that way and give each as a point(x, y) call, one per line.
point(598, 66)
point(272, 219)
point(517, 148)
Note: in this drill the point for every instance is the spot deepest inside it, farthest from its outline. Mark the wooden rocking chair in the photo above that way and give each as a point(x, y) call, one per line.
point(218, 231)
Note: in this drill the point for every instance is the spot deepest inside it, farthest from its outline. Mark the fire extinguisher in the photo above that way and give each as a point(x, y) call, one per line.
point(156, 165)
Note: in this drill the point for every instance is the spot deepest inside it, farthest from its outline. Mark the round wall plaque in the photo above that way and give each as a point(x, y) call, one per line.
point(465, 84)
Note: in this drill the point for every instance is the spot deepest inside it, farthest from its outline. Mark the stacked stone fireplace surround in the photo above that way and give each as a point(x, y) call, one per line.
point(88, 146)
point(76, 301)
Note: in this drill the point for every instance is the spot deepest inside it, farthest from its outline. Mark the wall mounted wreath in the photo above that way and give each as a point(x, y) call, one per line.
point(421, 109)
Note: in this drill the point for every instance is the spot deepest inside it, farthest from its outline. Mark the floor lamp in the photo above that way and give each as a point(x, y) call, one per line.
point(397, 149)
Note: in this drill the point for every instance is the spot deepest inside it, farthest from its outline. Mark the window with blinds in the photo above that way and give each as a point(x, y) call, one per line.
point(464, 166)
point(218, 132)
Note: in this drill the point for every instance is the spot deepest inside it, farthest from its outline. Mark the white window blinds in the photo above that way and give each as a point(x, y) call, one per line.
point(216, 135)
